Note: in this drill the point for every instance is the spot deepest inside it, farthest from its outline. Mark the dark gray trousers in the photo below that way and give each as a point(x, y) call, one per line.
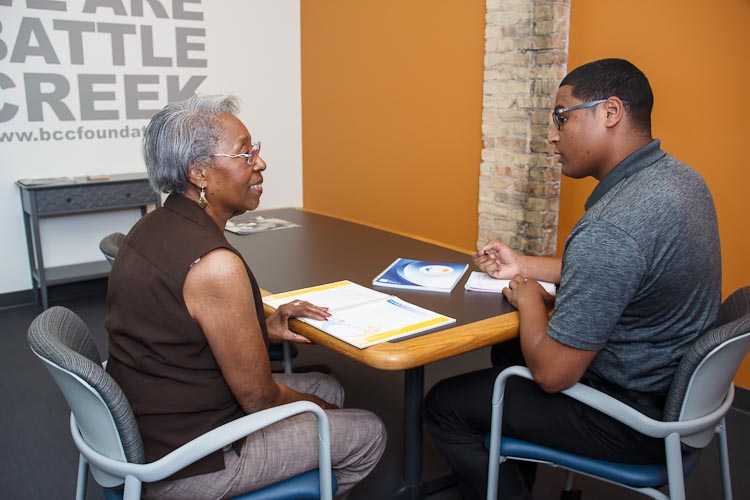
point(457, 414)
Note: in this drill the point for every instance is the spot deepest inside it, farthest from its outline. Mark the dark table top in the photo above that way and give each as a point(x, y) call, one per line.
point(325, 249)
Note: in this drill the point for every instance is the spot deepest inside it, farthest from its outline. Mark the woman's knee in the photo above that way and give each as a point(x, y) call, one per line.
point(329, 389)
point(358, 440)
point(378, 439)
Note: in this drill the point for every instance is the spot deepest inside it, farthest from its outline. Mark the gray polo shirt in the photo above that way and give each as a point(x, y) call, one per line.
point(641, 271)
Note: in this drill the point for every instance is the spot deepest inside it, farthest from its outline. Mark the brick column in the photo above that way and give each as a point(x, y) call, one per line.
point(526, 52)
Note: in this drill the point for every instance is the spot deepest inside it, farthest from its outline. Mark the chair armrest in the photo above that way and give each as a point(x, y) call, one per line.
point(209, 442)
point(619, 410)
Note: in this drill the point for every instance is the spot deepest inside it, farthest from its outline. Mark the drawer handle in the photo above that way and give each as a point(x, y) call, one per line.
point(127, 195)
point(68, 200)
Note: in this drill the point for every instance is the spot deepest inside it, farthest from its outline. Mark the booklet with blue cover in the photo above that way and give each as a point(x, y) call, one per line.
point(421, 275)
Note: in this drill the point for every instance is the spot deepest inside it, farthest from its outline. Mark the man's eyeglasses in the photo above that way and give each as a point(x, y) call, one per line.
point(251, 157)
point(559, 120)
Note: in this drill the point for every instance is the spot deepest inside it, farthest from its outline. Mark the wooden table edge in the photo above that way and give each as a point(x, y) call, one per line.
point(420, 350)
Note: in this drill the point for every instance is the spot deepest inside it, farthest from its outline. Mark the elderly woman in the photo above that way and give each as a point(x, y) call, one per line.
point(188, 338)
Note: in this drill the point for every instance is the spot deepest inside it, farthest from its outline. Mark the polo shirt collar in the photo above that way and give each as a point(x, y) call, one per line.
point(635, 162)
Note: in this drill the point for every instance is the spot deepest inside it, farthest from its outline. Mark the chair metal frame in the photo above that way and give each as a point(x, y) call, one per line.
point(707, 397)
point(109, 245)
point(671, 432)
point(96, 435)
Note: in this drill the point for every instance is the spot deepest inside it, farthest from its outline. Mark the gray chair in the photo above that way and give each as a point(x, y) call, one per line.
point(105, 432)
point(699, 397)
point(109, 246)
point(283, 352)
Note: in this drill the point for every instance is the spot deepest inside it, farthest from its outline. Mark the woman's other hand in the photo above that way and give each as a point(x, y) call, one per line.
point(278, 322)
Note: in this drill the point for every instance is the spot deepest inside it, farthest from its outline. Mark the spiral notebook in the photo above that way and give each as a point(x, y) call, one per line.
point(481, 282)
point(361, 316)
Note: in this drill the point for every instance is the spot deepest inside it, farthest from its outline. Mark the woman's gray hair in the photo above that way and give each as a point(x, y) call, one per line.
point(182, 134)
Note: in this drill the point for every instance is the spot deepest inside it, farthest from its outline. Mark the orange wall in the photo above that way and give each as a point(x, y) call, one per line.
point(392, 98)
point(696, 55)
point(391, 113)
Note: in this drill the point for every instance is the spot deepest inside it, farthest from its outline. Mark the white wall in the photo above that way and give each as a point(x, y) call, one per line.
point(250, 48)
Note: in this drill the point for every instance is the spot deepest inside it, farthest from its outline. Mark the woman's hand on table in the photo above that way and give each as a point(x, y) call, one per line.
point(278, 322)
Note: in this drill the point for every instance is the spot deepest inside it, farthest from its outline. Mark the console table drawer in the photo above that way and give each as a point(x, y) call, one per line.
point(94, 197)
point(53, 196)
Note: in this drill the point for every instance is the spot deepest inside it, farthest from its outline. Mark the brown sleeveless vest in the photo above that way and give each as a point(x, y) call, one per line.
point(157, 353)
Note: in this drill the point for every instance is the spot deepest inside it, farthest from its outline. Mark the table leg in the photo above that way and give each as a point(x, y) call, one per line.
point(412, 486)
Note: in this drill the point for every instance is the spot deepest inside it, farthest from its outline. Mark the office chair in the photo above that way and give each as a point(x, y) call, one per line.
point(106, 434)
point(283, 352)
point(699, 396)
point(109, 246)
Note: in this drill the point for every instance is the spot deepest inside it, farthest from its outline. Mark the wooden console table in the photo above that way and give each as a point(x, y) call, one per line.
point(59, 197)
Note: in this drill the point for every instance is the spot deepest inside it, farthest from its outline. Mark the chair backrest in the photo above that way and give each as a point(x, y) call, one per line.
point(110, 244)
point(103, 415)
point(705, 374)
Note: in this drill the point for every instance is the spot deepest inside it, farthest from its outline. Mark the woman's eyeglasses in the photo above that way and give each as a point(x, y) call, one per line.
point(251, 157)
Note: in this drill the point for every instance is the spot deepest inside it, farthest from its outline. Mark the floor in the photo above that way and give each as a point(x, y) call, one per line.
point(39, 459)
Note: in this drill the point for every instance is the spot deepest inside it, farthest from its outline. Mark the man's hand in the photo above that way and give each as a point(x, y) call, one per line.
point(499, 260)
point(522, 289)
point(502, 262)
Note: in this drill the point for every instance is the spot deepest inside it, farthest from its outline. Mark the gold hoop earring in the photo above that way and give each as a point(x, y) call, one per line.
point(202, 201)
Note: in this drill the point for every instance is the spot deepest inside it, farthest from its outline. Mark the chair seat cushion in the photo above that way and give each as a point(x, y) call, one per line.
point(306, 486)
point(633, 475)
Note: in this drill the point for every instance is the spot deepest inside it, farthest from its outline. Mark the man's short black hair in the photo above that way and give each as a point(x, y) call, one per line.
point(614, 77)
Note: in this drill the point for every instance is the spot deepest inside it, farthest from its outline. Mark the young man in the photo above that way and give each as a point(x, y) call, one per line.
point(640, 279)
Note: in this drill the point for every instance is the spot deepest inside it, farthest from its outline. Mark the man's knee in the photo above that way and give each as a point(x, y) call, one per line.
point(444, 410)
point(507, 354)
point(432, 408)
point(461, 400)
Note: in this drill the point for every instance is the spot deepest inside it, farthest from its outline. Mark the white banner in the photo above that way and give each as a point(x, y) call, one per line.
point(80, 79)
